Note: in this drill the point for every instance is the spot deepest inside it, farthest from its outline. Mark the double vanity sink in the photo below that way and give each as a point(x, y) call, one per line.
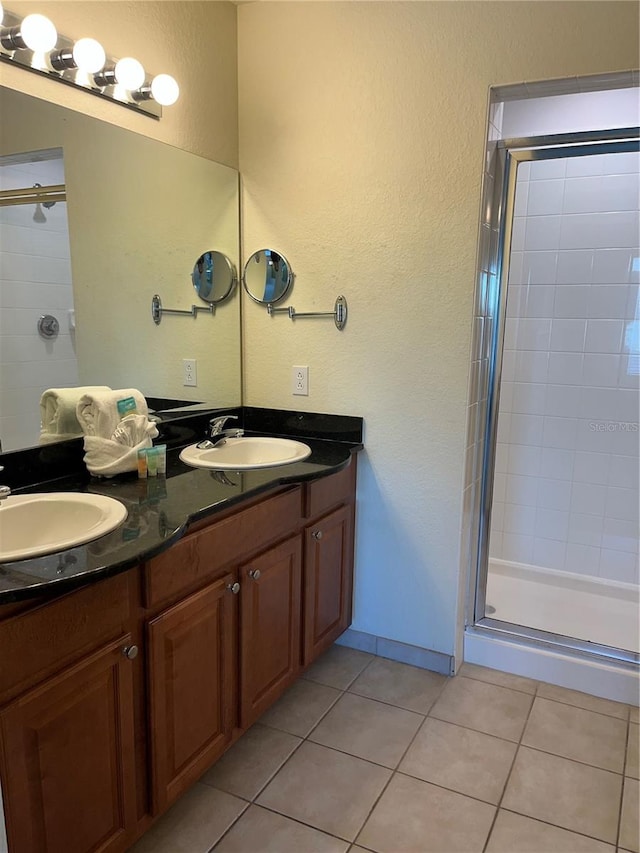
point(39, 524)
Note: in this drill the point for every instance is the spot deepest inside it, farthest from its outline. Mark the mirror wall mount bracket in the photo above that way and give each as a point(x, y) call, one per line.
point(339, 312)
point(157, 310)
point(82, 64)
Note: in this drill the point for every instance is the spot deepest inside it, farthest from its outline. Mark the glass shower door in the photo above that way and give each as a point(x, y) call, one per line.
point(563, 535)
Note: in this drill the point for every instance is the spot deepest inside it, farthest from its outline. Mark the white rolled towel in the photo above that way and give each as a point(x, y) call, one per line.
point(58, 417)
point(98, 414)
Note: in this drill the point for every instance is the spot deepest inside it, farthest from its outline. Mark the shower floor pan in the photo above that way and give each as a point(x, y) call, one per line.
point(587, 608)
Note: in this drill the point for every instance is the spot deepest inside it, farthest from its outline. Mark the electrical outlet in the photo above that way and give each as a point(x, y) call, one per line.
point(189, 371)
point(300, 380)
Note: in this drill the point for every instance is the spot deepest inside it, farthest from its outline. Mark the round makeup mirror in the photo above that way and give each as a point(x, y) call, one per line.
point(267, 276)
point(213, 277)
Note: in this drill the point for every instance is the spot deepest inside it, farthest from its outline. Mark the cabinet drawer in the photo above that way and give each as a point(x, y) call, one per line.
point(199, 557)
point(39, 642)
point(324, 494)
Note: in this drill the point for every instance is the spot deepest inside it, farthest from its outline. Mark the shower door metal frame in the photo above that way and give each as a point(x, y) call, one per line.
point(511, 152)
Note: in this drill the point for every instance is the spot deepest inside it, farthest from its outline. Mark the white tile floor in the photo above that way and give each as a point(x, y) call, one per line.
point(365, 754)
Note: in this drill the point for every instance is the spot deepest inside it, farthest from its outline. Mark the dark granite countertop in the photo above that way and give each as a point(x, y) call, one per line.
point(160, 510)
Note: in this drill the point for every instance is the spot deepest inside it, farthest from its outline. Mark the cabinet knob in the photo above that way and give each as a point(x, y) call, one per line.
point(255, 574)
point(234, 587)
point(317, 534)
point(130, 652)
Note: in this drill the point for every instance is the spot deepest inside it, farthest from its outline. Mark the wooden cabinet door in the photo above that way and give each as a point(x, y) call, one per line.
point(270, 614)
point(68, 767)
point(328, 581)
point(191, 687)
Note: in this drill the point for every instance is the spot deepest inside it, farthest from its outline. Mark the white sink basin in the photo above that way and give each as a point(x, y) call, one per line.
point(238, 454)
point(33, 525)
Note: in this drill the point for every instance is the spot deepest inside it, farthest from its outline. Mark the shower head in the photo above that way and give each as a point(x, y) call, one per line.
point(39, 216)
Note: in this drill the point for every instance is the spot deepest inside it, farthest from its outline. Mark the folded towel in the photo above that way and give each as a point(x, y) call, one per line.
point(133, 429)
point(106, 458)
point(58, 418)
point(98, 414)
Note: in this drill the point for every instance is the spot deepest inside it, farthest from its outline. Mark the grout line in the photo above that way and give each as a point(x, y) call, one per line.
point(399, 707)
point(612, 844)
point(275, 772)
point(624, 767)
point(231, 825)
point(493, 683)
point(402, 757)
point(572, 760)
point(510, 772)
point(286, 817)
point(355, 677)
point(469, 728)
point(591, 711)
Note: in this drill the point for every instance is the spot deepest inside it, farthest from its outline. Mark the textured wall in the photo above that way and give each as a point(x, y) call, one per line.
point(193, 41)
point(361, 150)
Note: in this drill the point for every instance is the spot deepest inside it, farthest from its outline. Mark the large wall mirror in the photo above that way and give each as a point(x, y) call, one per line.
point(138, 212)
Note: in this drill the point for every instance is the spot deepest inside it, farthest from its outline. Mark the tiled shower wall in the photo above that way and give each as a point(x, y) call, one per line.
point(566, 482)
point(35, 279)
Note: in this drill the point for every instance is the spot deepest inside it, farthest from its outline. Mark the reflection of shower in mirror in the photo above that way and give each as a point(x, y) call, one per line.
point(36, 283)
point(39, 216)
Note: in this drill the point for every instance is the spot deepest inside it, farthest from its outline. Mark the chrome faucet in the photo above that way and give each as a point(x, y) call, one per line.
point(5, 491)
point(218, 434)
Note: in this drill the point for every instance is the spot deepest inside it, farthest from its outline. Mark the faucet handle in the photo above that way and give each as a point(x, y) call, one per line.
point(5, 491)
point(217, 424)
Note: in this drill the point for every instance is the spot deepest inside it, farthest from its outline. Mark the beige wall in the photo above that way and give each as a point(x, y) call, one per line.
point(361, 152)
point(193, 41)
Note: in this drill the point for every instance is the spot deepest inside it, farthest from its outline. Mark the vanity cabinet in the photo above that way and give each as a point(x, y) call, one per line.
point(115, 698)
point(68, 760)
point(190, 662)
point(328, 581)
point(270, 622)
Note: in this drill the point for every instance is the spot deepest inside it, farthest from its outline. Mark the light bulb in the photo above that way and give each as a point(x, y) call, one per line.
point(129, 73)
point(38, 33)
point(88, 55)
point(165, 90)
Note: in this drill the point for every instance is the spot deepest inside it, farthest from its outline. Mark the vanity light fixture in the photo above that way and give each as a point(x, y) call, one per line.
point(87, 54)
point(34, 43)
point(35, 33)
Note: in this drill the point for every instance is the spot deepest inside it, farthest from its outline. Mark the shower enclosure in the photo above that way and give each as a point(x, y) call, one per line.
point(37, 337)
point(556, 446)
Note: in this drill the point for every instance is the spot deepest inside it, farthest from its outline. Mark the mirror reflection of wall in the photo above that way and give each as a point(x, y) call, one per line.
point(35, 280)
point(139, 213)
